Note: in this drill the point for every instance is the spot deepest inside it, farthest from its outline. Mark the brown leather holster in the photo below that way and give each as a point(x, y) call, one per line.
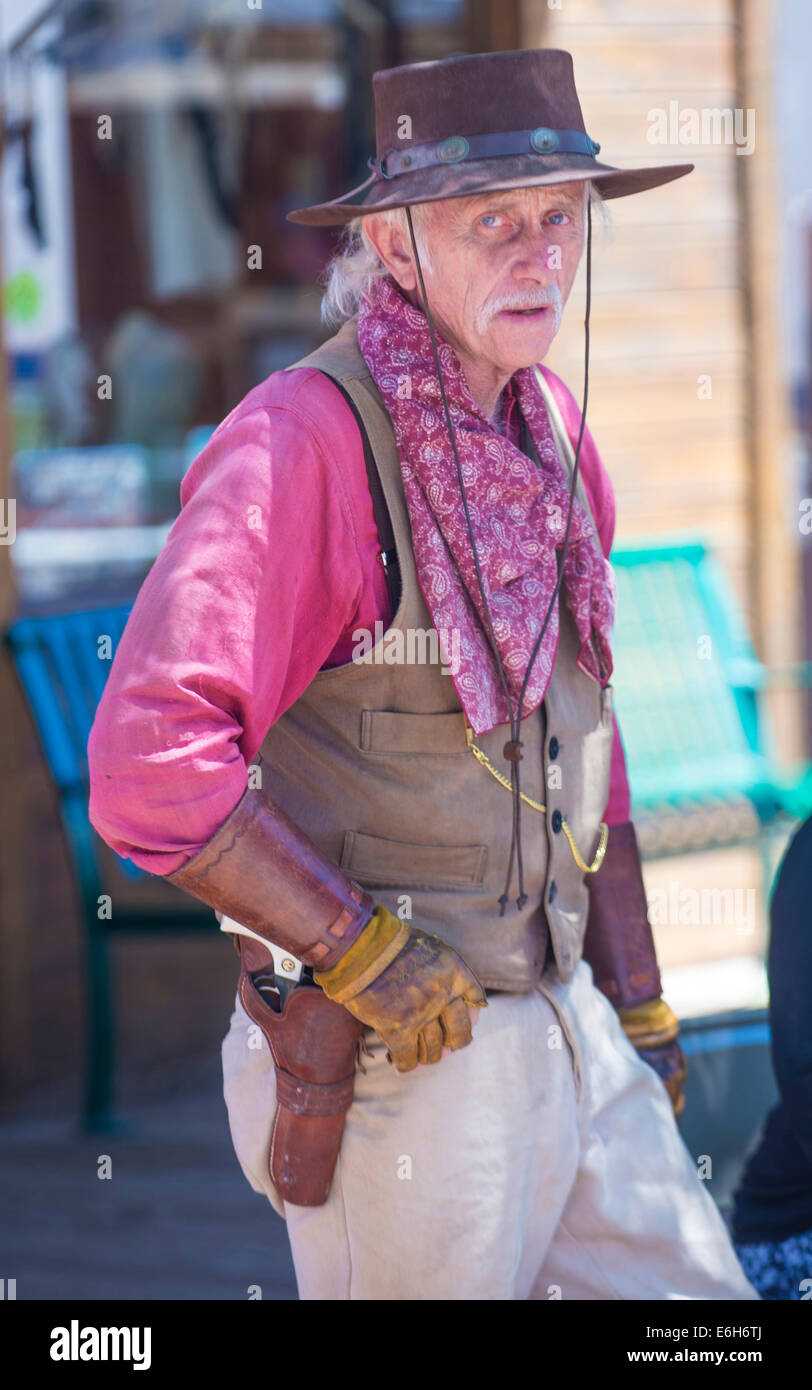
point(314, 1043)
point(618, 944)
point(261, 870)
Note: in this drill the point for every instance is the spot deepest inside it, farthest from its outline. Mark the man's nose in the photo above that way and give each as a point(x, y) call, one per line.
point(536, 257)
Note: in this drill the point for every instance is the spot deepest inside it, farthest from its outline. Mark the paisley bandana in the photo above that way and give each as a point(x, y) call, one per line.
point(518, 517)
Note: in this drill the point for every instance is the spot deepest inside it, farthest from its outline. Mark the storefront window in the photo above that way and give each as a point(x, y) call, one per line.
point(151, 276)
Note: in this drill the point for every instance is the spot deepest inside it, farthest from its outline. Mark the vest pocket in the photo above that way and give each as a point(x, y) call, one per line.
point(397, 864)
point(393, 731)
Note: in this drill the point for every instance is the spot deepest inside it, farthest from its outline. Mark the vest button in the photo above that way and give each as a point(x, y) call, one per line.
point(553, 748)
point(553, 891)
point(556, 821)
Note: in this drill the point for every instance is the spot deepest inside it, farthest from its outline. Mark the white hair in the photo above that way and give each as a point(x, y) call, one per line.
point(356, 263)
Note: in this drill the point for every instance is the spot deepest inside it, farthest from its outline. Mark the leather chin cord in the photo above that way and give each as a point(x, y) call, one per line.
point(512, 749)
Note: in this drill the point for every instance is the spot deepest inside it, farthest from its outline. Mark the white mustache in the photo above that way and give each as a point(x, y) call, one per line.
point(544, 299)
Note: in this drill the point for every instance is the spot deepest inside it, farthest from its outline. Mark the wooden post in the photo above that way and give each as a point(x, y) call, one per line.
point(775, 570)
point(493, 25)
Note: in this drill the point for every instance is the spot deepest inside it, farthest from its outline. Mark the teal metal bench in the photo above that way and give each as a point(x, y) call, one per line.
point(57, 661)
point(687, 684)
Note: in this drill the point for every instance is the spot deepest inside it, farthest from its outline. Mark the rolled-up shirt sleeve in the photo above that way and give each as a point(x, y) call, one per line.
point(258, 579)
point(601, 495)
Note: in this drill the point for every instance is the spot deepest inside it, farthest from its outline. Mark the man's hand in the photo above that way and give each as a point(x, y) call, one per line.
point(412, 988)
point(473, 1015)
point(652, 1029)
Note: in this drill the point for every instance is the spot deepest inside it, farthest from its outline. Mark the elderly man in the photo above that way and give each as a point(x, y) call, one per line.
point(421, 1073)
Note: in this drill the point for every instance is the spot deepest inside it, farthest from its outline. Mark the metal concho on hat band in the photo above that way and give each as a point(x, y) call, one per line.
point(455, 148)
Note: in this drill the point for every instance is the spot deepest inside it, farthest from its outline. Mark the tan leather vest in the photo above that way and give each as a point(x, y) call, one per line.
point(373, 763)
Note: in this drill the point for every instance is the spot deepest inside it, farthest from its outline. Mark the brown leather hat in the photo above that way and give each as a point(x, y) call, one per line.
point(479, 123)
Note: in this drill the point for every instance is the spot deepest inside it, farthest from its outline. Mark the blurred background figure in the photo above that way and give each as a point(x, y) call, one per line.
point(772, 1210)
point(158, 375)
point(69, 392)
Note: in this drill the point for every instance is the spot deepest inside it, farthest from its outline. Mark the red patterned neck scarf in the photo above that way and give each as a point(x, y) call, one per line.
point(518, 516)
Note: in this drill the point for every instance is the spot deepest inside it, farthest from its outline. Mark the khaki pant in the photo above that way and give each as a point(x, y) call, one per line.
point(542, 1161)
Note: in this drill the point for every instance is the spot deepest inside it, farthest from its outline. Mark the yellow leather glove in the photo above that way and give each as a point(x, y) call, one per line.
point(409, 986)
point(652, 1029)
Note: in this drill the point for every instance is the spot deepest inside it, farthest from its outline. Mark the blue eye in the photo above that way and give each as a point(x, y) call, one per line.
point(488, 216)
point(558, 214)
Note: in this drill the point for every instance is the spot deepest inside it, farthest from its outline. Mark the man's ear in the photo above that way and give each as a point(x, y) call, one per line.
point(390, 237)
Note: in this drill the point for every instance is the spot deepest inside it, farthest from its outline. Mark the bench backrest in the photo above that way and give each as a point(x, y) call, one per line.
point(63, 675)
point(685, 680)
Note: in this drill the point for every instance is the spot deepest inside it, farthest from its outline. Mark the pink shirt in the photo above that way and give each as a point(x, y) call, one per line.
point(276, 526)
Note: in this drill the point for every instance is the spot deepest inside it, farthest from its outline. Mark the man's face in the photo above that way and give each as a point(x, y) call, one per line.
point(501, 266)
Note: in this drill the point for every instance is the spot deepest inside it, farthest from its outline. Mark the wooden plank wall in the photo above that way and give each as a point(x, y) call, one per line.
point(673, 299)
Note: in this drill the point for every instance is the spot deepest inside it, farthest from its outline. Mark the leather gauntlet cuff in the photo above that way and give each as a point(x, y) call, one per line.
point(263, 871)
point(314, 1045)
point(618, 944)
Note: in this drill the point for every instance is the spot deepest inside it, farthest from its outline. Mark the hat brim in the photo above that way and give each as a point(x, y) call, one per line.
point(495, 175)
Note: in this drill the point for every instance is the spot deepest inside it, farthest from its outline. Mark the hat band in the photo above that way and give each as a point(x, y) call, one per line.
point(456, 148)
